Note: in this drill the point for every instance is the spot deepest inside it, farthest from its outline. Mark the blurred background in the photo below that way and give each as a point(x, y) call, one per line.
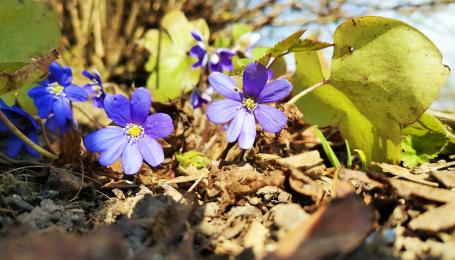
point(104, 34)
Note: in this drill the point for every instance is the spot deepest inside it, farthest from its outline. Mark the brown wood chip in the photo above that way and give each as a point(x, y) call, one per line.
point(405, 174)
point(445, 177)
point(436, 219)
point(408, 188)
point(303, 161)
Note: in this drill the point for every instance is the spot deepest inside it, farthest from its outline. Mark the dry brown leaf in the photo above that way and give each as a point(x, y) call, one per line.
point(304, 161)
point(447, 178)
point(405, 173)
point(241, 181)
point(359, 177)
point(70, 147)
point(435, 219)
point(335, 229)
point(407, 189)
point(255, 238)
point(29, 73)
point(414, 248)
point(305, 185)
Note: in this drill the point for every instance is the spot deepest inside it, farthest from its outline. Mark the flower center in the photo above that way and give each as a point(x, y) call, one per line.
point(249, 104)
point(56, 89)
point(134, 132)
point(97, 89)
point(215, 59)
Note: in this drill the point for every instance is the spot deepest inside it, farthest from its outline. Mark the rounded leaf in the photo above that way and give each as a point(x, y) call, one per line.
point(389, 70)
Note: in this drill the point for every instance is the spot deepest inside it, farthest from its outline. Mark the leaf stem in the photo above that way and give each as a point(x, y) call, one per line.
point(46, 138)
point(158, 56)
point(25, 139)
point(306, 91)
point(276, 58)
point(226, 151)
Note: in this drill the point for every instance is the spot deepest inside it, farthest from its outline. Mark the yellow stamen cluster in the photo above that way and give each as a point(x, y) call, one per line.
point(134, 132)
point(249, 104)
point(97, 88)
point(56, 90)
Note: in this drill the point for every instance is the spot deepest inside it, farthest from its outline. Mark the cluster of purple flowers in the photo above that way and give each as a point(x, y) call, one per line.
point(134, 137)
point(217, 60)
point(55, 94)
point(133, 140)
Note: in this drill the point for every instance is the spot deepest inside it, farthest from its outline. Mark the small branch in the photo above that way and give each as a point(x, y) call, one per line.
point(46, 138)
point(306, 91)
point(226, 151)
point(25, 139)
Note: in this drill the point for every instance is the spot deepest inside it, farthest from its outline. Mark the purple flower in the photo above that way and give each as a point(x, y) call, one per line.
point(25, 123)
point(220, 60)
point(95, 88)
point(53, 95)
point(199, 51)
point(135, 138)
point(269, 74)
point(198, 98)
point(242, 109)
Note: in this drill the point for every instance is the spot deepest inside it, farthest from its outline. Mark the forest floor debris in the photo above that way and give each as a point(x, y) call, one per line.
point(262, 204)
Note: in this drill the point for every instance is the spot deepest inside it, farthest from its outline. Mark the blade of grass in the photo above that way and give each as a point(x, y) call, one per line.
point(348, 154)
point(328, 150)
point(363, 158)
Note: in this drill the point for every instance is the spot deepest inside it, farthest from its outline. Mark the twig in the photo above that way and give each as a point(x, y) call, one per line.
point(306, 91)
point(25, 167)
point(195, 184)
point(73, 172)
point(14, 161)
point(183, 179)
point(25, 139)
point(226, 151)
point(46, 138)
point(82, 181)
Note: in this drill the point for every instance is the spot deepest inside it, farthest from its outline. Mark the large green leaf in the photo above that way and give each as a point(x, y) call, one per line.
point(174, 72)
point(28, 30)
point(389, 70)
point(327, 106)
point(384, 75)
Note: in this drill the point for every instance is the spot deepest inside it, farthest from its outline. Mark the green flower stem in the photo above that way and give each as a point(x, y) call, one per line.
point(306, 91)
point(25, 139)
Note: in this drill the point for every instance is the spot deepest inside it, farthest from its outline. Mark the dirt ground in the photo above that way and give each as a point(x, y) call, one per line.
point(281, 200)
